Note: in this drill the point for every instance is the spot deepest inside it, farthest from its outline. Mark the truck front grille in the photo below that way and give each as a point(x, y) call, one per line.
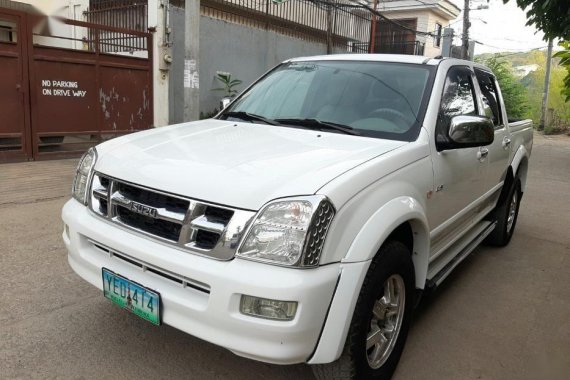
point(157, 227)
point(203, 228)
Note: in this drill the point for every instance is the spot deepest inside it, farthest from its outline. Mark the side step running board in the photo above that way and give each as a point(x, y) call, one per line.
point(446, 270)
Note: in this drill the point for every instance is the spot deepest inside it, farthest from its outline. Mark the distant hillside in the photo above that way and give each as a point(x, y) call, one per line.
point(520, 59)
point(528, 69)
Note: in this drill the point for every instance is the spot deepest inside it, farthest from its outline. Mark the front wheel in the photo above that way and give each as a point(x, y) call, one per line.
point(381, 319)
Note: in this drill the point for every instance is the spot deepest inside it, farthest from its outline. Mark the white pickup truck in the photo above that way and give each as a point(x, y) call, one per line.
point(302, 222)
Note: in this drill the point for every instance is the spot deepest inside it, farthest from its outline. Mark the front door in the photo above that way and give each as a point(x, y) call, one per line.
point(14, 111)
point(459, 174)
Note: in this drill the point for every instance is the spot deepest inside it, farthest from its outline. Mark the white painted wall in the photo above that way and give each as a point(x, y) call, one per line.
point(426, 23)
point(72, 9)
point(431, 50)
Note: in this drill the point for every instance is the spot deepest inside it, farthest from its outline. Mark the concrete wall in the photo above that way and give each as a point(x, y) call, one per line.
point(176, 75)
point(244, 52)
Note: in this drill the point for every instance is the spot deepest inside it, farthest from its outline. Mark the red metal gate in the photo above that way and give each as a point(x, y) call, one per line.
point(73, 92)
point(14, 94)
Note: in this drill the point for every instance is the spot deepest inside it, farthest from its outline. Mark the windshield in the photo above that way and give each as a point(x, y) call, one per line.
point(376, 99)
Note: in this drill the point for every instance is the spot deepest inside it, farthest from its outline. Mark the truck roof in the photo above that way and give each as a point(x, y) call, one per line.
point(400, 58)
point(397, 58)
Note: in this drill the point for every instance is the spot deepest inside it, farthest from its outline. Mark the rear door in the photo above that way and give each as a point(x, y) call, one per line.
point(498, 157)
point(14, 113)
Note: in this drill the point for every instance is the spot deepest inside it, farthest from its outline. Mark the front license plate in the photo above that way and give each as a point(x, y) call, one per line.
point(131, 296)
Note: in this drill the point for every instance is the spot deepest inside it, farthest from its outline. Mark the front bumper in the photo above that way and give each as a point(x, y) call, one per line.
point(212, 316)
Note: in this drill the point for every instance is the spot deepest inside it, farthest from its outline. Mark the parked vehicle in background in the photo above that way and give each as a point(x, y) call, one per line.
point(301, 224)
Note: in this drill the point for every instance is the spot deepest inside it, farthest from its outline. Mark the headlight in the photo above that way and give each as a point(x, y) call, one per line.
point(83, 174)
point(289, 232)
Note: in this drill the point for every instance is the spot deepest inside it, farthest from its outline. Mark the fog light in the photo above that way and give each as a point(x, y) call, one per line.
point(268, 309)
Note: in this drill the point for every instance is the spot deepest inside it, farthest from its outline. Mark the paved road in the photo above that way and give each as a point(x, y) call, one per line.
point(505, 314)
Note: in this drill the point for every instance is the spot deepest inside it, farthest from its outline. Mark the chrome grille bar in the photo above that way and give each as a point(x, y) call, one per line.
point(119, 199)
point(199, 227)
point(204, 223)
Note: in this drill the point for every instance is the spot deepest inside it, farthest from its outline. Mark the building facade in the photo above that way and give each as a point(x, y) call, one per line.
point(414, 28)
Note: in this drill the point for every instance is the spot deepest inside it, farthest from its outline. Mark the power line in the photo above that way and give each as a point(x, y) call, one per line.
point(374, 12)
point(501, 48)
point(499, 55)
point(479, 36)
point(417, 1)
point(358, 5)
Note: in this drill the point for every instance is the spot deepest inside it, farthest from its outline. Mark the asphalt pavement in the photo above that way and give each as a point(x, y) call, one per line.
point(503, 314)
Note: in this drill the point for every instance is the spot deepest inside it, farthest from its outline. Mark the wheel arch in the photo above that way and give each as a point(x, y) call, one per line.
point(522, 172)
point(517, 169)
point(402, 219)
point(519, 166)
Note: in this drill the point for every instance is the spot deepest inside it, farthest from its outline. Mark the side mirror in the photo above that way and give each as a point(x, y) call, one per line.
point(468, 131)
point(225, 102)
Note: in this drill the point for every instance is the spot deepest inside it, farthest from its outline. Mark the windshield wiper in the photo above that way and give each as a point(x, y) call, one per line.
point(319, 124)
point(250, 117)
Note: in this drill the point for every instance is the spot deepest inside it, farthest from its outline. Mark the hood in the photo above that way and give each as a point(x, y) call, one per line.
point(242, 165)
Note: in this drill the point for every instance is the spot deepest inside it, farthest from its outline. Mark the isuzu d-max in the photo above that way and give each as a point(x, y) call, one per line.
point(302, 222)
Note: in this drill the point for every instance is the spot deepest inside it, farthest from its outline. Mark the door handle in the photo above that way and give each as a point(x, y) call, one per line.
point(506, 142)
point(482, 154)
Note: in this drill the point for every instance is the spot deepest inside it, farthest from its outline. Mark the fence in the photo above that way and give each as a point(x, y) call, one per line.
point(343, 25)
point(63, 91)
point(406, 47)
point(340, 24)
point(123, 14)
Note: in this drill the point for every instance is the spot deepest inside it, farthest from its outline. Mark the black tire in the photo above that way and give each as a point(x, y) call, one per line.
point(503, 232)
point(393, 260)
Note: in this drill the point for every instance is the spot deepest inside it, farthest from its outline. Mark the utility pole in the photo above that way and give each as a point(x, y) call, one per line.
point(191, 62)
point(447, 42)
point(329, 27)
point(372, 48)
point(465, 37)
point(546, 86)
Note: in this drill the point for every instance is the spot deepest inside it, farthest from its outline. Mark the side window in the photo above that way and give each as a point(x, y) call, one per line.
point(8, 31)
point(437, 37)
point(458, 98)
point(490, 97)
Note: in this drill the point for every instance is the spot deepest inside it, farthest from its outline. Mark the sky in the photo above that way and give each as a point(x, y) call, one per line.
point(504, 30)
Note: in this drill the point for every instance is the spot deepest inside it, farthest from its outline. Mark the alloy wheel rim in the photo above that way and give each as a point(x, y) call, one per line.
point(512, 212)
point(387, 316)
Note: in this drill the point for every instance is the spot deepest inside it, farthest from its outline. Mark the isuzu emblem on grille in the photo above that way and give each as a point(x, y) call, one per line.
point(143, 209)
